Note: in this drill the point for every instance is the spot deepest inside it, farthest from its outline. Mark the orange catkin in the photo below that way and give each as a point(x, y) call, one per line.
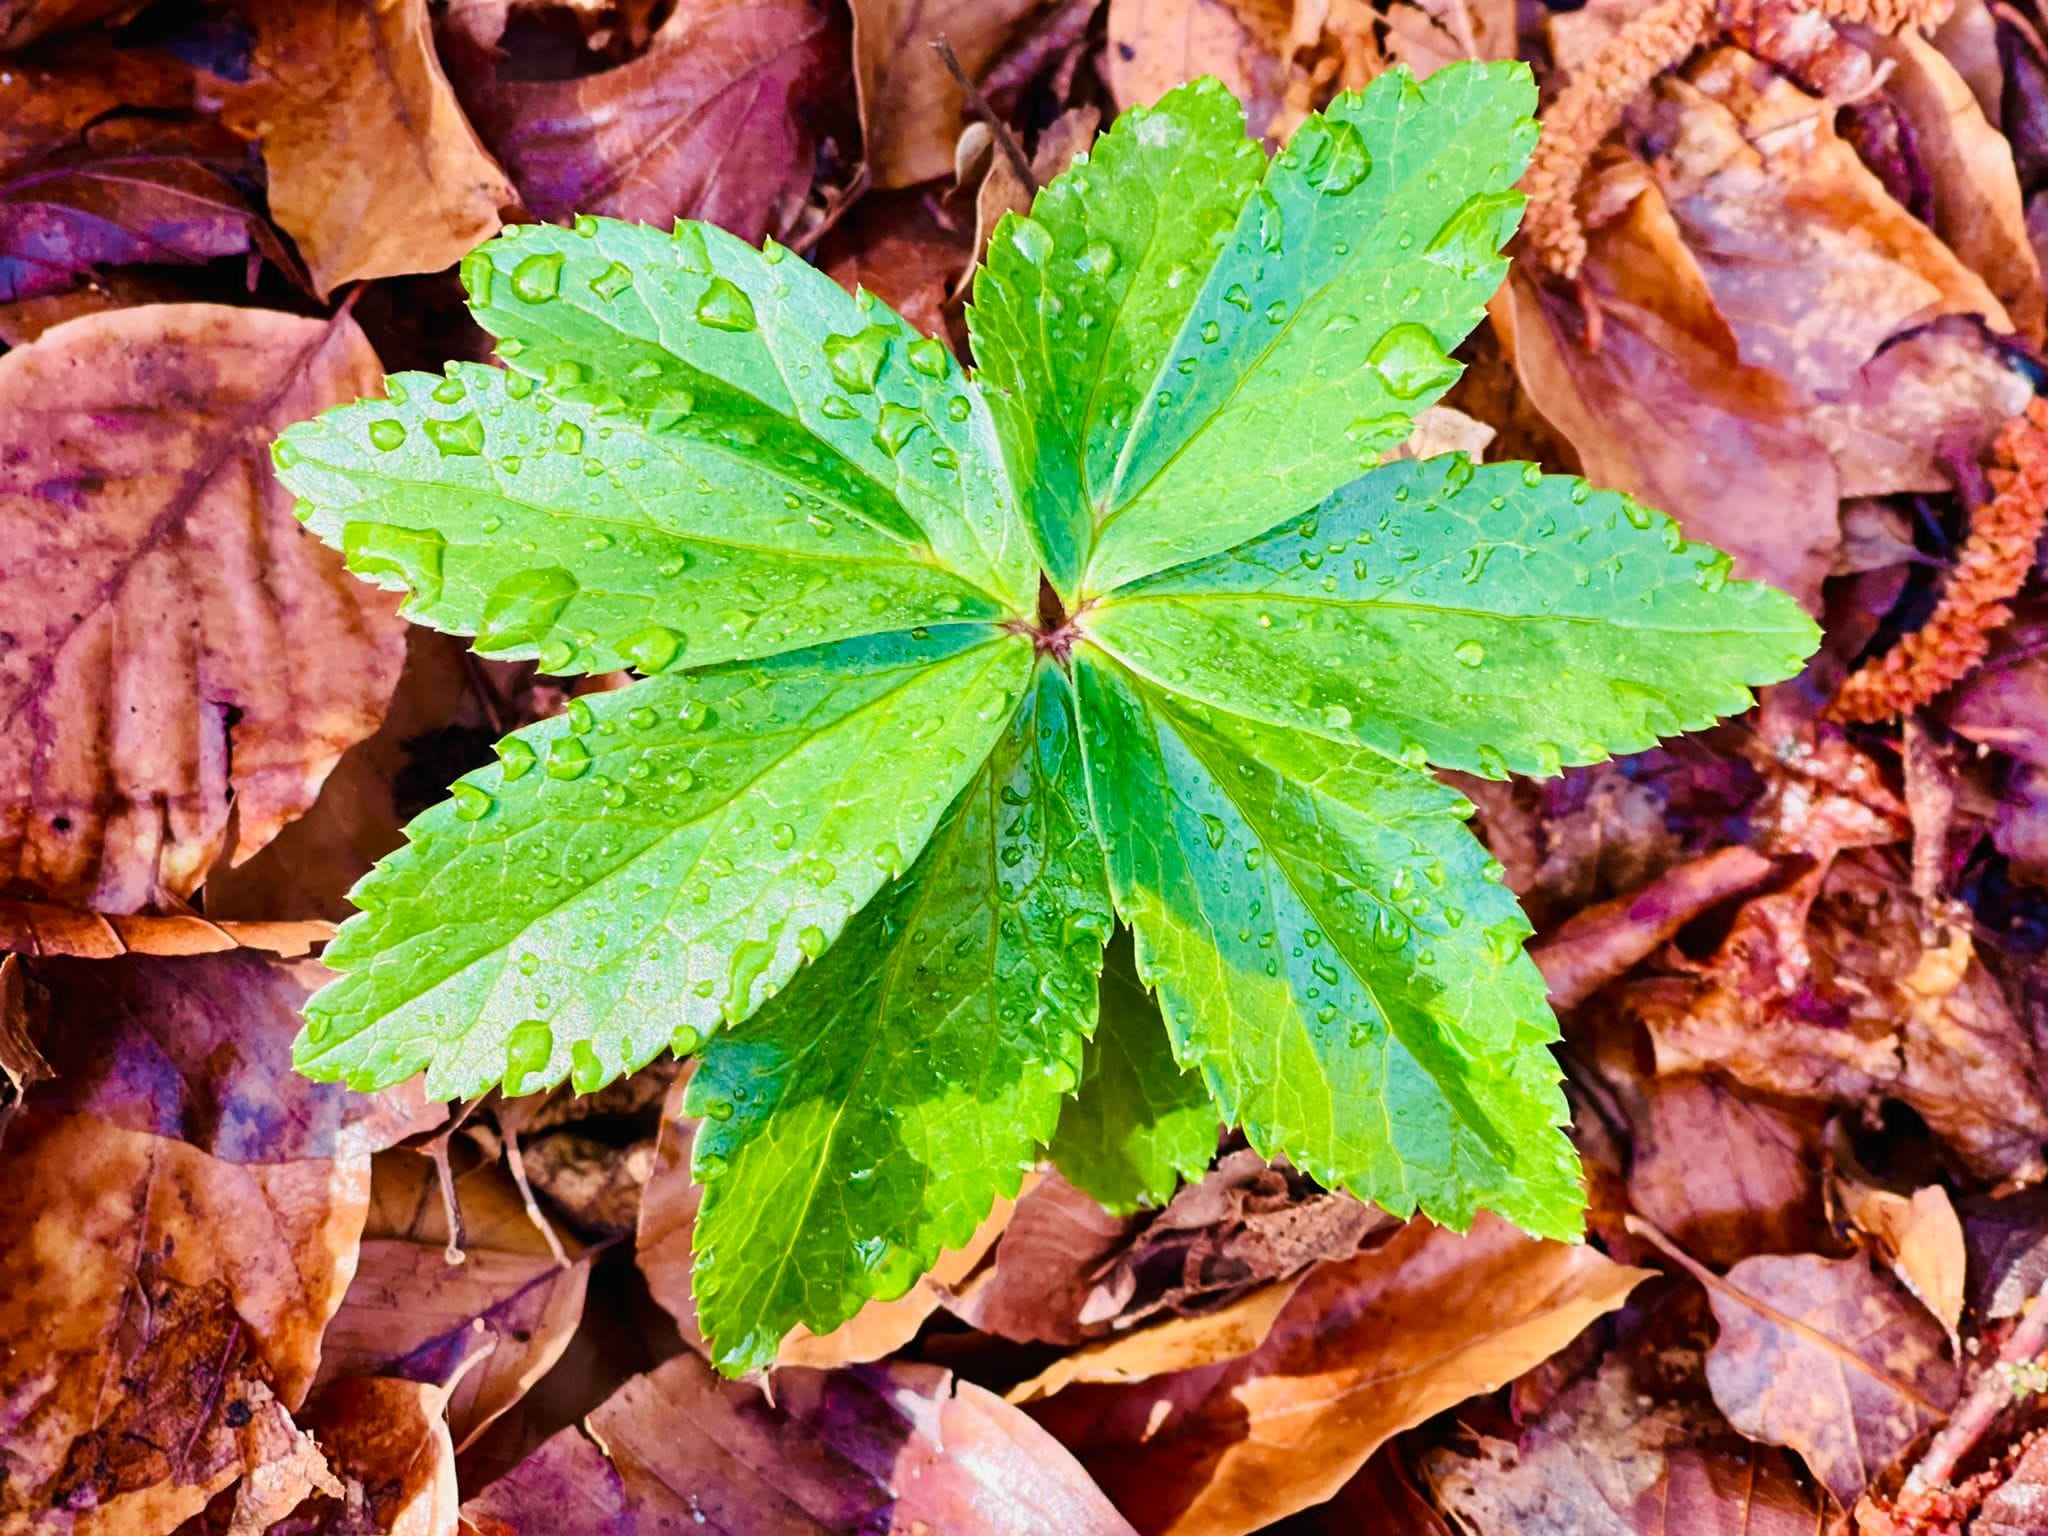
point(1994, 562)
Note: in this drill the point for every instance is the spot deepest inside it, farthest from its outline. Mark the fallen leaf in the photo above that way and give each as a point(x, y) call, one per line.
point(132, 190)
point(1666, 408)
point(874, 1448)
point(720, 119)
point(1003, 191)
point(388, 1441)
point(911, 109)
point(1921, 1238)
point(21, 1064)
point(2006, 1236)
point(1155, 45)
point(905, 249)
point(1978, 210)
point(1828, 1358)
point(1047, 1266)
point(1842, 988)
point(199, 1050)
point(1728, 1175)
point(198, 645)
point(1366, 1347)
point(23, 21)
point(374, 170)
point(413, 1314)
point(1183, 1343)
point(37, 929)
point(1608, 1459)
point(668, 1217)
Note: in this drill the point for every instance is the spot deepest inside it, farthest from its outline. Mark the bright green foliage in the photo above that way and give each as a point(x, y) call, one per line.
point(1137, 1124)
point(859, 837)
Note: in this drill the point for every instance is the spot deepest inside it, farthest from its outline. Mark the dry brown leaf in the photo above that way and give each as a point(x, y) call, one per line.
point(1828, 1358)
point(894, 1447)
point(1666, 409)
point(1609, 1459)
point(1046, 1267)
point(412, 1313)
point(152, 1301)
point(388, 1442)
point(911, 109)
point(1367, 1347)
point(1727, 1175)
point(163, 589)
point(374, 170)
point(1003, 191)
point(1183, 1343)
point(720, 119)
point(38, 929)
point(1978, 210)
point(1811, 261)
point(1155, 45)
point(1921, 1238)
point(21, 1064)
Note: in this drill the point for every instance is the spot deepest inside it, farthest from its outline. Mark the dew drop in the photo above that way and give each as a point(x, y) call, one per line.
point(724, 307)
point(521, 610)
point(516, 756)
point(652, 649)
point(1410, 362)
point(538, 278)
point(412, 555)
point(460, 438)
point(612, 281)
point(568, 758)
point(1470, 653)
point(471, 803)
point(528, 1051)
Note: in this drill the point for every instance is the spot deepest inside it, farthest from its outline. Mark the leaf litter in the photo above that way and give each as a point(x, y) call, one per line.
point(1801, 962)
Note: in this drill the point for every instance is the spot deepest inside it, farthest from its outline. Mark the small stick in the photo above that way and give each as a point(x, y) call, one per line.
point(437, 1149)
point(518, 1166)
point(1989, 1396)
point(978, 103)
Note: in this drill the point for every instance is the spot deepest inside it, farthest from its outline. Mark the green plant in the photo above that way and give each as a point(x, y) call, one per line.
point(947, 674)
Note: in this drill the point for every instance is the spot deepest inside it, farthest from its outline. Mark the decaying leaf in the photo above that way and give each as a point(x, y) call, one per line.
point(182, 649)
point(886, 1448)
point(1920, 1237)
point(373, 168)
point(720, 119)
point(1829, 1358)
point(1185, 1343)
point(1609, 1459)
point(35, 928)
point(1155, 45)
point(911, 110)
point(1366, 1347)
point(392, 1460)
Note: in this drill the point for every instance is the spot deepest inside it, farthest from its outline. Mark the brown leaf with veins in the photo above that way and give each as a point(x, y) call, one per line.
point(1184, 1343)
point(1920, 1237)
point(1609, 1459)
point(179, 647)
point(892, 1447)
point(1830, 1359)
point(1047, 1266)
point(1155, 45)
point(720, 119)
point(1366, 1347)
point(374, 170)
point(387, 1440)
point(484, 1330)
point(668, 1217)
point(905, 249)
point(1729, 1175)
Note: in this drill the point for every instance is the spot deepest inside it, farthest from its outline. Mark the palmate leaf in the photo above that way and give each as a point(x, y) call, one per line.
point(1193, 364)
point(657, 860)
point(1485, 618)
point(866, 1119)
point(860, 837)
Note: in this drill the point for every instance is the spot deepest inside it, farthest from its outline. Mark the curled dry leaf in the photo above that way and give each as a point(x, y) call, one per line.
point(179, 641)
point(893, 1447)
point(484, 1330)
point(1365, 1348)
point(720, 119)
point(668, 1217)
point(38, 929)
point(373, 168)
point(1185, 1343)
point(1829, 1358)
point(1609, 1459)
point(1047, 1267)
point(1921, 1238)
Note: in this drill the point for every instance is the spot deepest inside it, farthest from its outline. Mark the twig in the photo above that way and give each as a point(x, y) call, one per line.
point(517, 1163)
point(978, 104)
point(437, 1149)
point(1989, 1396)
